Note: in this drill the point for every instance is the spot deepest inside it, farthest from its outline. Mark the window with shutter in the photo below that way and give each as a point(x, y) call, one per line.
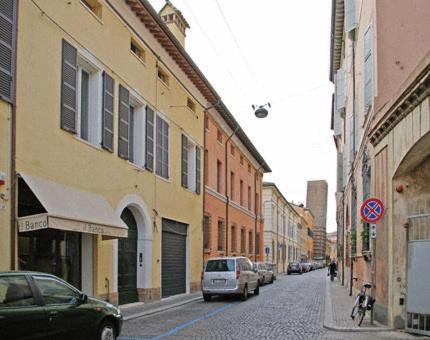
point(123, 122)
point(184, 161)
point(198, 169)
point(107, 119)
point(368, 69)
point(162, 148)
point(7, 48)
point(68, 87)
point(149, 145)
point(350, 15)
point(340, 90)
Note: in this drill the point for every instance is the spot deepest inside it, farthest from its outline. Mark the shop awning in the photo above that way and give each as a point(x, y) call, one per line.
point(71, 209)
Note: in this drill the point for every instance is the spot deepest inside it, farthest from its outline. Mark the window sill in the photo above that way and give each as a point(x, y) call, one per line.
point(136, 167)
point(207, 250)
point(99, 148)
point(92, 13)
point(143, 62)
point(167, 180)
point(165, 85)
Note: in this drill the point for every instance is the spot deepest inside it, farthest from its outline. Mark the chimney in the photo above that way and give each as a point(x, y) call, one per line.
point(176, 22)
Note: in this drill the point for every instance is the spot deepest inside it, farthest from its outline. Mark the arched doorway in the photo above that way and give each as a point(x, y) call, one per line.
point(127, 261)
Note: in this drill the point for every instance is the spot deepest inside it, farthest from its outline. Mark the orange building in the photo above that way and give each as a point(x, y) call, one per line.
point(309, 223)
point(233, 224)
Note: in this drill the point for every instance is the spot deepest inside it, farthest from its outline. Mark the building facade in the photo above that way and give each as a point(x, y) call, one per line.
point(308, 223)
point(234, 169)
point(331, 249)
point(102, 147)
point(316, 201)
point(380, 67)
point(283, 229)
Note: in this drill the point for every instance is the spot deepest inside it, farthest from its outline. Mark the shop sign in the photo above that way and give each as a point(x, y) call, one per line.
point(33, 223)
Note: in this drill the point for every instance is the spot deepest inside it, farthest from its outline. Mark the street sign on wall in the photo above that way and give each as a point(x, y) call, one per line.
point(372, 210)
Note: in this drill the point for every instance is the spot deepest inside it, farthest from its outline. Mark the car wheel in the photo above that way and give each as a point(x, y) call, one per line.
point(107, 331)
point(272, 279)
point(206, 297)
point(263, 282)
point(257, 290)
point(244, 295)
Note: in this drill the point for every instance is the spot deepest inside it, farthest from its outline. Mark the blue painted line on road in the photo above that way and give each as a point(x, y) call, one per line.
point(192, 322)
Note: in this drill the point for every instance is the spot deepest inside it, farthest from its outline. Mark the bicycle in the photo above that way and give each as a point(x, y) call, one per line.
point(363, 302)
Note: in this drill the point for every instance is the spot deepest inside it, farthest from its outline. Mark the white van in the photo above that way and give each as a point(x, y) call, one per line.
point(229, 275)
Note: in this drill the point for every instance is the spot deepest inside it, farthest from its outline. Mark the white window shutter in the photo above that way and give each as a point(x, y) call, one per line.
point(350, 15)
point(340, 89)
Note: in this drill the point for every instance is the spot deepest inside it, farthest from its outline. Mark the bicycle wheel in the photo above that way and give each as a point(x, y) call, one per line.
point(355, 309)
point(361, 315)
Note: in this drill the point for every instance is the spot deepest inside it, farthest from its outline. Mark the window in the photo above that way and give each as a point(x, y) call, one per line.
point(15, 292)
point(55, 292)
point(257, 243)
point(232, 150)
point(136, 138)
point(89, 101)
point(220, 266)
point(249, 167)
point(219, 135)
point(365, 237)
point(206, 169)
point(250, 243)
point(94, 6)
point(206, 122)
point(206, 232)
point(241, 192)
point(232, 186)
point(137, 50)
point(7, 44)
point(233, 238)
point(162, 148)
point(221, 235)
point(191, 105)
point(257, 202)
point(241, 160)
point(163, 76)
point(368, 69)
point(249, 198)
point(190, 165)
point(242, 240)
point(218, 175)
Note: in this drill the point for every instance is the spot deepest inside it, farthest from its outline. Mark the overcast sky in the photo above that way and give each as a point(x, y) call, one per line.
point(276, 51)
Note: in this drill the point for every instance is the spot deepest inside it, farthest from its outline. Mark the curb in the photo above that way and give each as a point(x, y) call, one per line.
point(160, 309)
point(328, 318)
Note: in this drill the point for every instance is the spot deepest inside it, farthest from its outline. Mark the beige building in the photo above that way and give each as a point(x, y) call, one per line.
point(331, 249)
point(307, 232)
point(380, 66)
point(283, 229)
point(101, 137)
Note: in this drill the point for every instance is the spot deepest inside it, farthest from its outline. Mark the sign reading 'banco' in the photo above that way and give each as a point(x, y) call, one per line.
point(33, 223)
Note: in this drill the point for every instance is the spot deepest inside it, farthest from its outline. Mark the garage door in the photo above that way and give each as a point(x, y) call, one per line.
point(173, 264)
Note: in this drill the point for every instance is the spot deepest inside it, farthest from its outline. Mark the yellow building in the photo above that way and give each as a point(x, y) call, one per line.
point(109, 132)
point(308, 221)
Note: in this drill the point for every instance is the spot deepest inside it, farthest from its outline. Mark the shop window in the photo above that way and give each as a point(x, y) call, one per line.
point(94, 6)
point(137, 50)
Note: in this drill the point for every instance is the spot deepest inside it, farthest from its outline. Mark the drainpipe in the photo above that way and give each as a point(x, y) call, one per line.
point(12, 175)
point(227, 202)
point(256, 213)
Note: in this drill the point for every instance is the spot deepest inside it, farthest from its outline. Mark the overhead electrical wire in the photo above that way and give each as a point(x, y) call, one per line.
point(242, 54)
point(206, 36)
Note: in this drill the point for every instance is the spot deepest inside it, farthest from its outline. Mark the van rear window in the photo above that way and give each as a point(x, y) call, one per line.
point(220, 266)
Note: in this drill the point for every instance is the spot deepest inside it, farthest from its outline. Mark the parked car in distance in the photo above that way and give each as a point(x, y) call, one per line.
point(307, 267)
point(294, 267)
point(42, 306)
point(264, 275)
point(229, 276)
point(272, 268)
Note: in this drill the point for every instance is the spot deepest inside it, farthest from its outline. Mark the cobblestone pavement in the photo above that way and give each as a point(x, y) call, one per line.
point(291, 308)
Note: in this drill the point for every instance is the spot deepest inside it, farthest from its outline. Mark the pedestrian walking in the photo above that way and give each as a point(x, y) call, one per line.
point(332, 268)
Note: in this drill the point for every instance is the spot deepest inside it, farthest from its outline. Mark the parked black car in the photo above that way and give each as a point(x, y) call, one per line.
point(294, 267)
point(42, 306)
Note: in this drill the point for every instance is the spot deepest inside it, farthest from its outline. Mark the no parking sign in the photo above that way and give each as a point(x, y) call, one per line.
point(372, 210)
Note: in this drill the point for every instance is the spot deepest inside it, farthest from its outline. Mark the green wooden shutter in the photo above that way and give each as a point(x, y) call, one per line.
point(123, 122)
point(107, 119)
point(7, 48)
point(149, 144)
point(198, 169)
point(184, 162)
point(68, 87)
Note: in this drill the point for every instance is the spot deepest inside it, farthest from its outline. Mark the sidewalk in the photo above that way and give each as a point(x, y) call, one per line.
point(338, 306)
point(139, 309)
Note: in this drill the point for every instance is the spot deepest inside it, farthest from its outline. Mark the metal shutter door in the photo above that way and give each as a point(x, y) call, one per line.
point(173, 264)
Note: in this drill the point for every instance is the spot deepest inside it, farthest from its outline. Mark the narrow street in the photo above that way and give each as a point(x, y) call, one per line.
point(291, 308)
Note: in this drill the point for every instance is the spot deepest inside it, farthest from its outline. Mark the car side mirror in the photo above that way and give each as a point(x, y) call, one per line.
point(82, 299)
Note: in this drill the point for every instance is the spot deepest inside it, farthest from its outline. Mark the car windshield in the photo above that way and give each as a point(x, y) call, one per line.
point(220, 266)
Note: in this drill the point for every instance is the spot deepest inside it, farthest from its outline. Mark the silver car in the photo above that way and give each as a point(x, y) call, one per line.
point(229, 276)
point(264, 275)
